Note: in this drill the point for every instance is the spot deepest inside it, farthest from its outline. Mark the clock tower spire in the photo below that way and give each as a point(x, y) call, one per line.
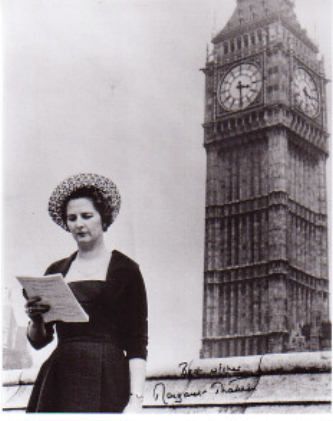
point(265, 135)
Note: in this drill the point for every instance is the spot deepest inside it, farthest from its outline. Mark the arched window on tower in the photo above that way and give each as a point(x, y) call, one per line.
point(266, 35)
point(259, 35)
point(246, 40)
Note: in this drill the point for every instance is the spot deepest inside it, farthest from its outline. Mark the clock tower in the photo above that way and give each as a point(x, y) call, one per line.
point(265, 135)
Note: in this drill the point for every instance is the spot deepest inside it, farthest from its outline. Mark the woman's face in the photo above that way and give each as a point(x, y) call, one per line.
point(84, 221)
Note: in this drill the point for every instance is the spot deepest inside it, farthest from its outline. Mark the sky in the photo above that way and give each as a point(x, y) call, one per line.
point(114, 87)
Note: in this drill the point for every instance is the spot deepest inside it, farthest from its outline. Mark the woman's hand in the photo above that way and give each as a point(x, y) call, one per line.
point(134, 404)
point(137, 368)
point(38, 333)
point(35, 308)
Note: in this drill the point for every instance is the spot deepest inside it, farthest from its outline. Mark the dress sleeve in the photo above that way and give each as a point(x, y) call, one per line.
point(136, 320)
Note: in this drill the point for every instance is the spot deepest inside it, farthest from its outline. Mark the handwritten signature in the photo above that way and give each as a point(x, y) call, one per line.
point(167, 397)
point(160, 393)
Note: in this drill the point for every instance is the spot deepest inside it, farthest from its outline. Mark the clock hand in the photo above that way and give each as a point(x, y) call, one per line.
point(240, 86)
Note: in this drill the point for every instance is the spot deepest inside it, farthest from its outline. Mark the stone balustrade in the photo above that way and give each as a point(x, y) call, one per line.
point(269, 383)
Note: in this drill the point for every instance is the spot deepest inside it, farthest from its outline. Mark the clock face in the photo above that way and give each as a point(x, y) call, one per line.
point(306, 95)
point(239, 87)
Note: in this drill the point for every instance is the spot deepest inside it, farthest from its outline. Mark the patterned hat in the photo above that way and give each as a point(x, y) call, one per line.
point(103, 185)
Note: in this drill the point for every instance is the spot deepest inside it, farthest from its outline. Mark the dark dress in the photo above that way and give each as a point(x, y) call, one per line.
point(88, 371)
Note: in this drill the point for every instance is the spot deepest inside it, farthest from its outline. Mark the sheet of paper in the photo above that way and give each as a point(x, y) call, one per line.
point(55, 292)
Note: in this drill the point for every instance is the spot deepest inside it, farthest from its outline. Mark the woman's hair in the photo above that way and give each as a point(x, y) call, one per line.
point(98, 201)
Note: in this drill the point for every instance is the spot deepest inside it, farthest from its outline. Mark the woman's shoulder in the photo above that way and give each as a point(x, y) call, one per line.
point(125, 271)
point(121, 260)
point(60, 266)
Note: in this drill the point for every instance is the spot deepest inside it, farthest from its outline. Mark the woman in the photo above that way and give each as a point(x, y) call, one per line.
point(98, 366)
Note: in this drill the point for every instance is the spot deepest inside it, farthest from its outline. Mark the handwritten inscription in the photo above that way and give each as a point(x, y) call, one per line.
point(162, 394)
point(219, 387)
point(189, 372)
